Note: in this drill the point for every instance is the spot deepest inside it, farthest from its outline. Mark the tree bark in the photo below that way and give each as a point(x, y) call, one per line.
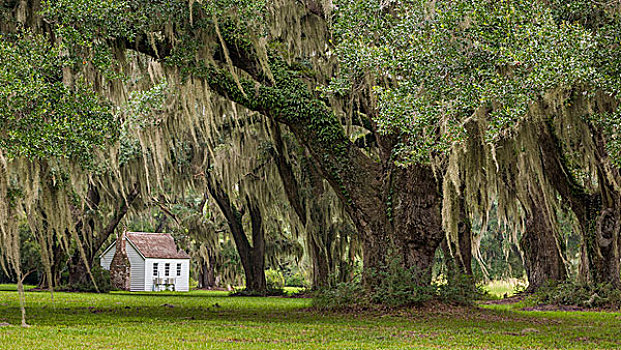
point(416, 217)
point(206, 276)
point(598, 213)
point(543, 259)
point(464, 263)
point(78, 272)
point(207, 272)
point(252, 256)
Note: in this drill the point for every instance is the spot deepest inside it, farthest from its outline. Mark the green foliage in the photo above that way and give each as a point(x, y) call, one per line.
point(275, 280)
point(102, 279)
point(41, 116)
point(296, 280)
point(577, 294)
point(340, 296)
point(461, 290)
point(434, 65)
point(397, 287)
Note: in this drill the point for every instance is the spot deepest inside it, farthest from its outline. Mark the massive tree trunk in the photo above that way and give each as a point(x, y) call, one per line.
point(598, 213)
point(206, 273)
point(600, 228)
point(252, 256)
point(543, 259)
point(416, 218)
point(78, 271)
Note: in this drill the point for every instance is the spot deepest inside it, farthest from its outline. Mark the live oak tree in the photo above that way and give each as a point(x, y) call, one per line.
point(420, 116)
point(417, 73)
point(517, 99)
point(396, 210)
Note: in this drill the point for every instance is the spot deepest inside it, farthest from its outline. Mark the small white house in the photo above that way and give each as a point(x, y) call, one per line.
point(147, 262)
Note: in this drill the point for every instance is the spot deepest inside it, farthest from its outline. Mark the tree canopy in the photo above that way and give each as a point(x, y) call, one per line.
point(411, 123)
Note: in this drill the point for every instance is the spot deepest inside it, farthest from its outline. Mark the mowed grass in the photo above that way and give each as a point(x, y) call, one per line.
point(213, 320)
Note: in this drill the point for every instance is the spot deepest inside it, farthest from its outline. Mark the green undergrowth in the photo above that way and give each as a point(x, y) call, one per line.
point(397, 287)
point(587, 296)
point(213, 320)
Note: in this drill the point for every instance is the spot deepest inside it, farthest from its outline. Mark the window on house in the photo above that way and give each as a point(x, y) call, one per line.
point(155, 269)
point(167, 269)
point(178, 269)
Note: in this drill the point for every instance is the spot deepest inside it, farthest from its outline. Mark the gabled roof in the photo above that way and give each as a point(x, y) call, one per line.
point(156, 245)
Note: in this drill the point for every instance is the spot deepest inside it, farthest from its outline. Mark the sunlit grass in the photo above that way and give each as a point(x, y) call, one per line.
point(213, 320)
point(501, 288)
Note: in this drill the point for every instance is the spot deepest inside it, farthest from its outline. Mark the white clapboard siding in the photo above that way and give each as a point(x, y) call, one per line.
point(106, 258)
point(182, 283)
point(137, 272)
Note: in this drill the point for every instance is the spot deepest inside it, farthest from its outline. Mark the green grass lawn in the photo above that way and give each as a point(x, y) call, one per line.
point(212, 320)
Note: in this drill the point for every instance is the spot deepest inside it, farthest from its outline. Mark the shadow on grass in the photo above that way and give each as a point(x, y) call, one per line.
point(118, 315)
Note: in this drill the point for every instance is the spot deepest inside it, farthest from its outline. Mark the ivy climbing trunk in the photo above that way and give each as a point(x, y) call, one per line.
point(598, 210)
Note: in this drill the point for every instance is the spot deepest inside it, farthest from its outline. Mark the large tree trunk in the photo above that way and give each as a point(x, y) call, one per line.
point(464, 261)
point(319, 256)
point(417, 218)
point(78, 271)
point(206, 273)
point(543, 259)
point(254, 261)
point(396, 211)
point(252, 256)
point(598, 213)
point(601, 244)
point(254, 271)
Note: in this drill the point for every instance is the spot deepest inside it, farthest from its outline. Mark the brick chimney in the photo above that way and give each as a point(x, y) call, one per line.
point(120, 266)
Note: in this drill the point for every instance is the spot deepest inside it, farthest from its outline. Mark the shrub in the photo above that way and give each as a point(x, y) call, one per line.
point(460, 291)
point(102, 279)
point(275, 280)
point(341, 295)
point(576, 294)
point(398, 287)
point(296, 280)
